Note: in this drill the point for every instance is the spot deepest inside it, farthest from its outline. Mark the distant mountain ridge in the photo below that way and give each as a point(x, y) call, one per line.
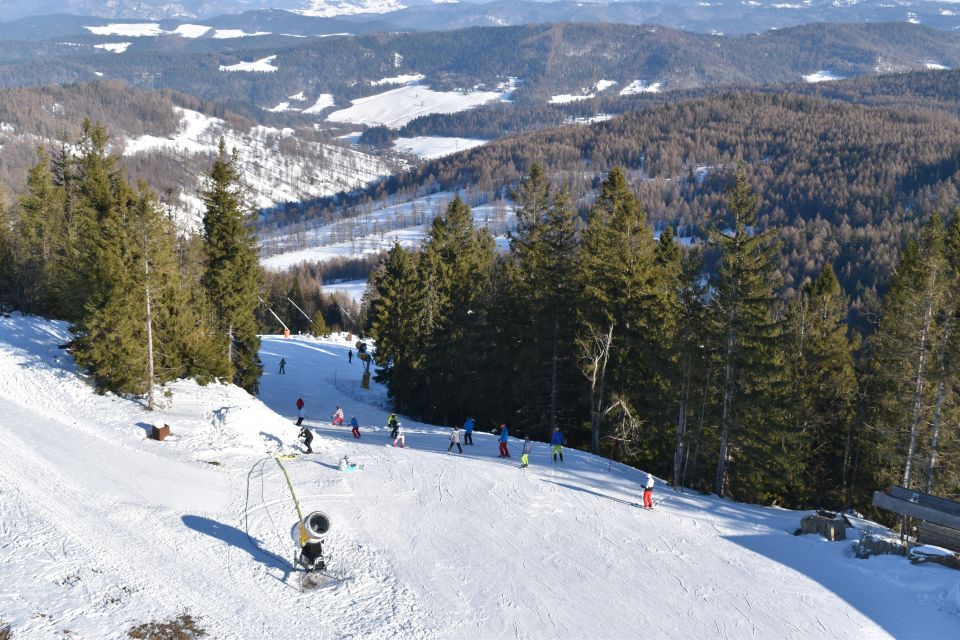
point(730, 18)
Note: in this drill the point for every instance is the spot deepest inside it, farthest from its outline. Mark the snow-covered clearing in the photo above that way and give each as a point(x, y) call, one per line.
point(113, 47)
point(324, 101)
point(330, 8)
point(272, 177)
point(353, 289)
point(191, 30)
point(639, 86)
point(435, 146)
point(373, 231)
point(821, 76)
point(226, 34)
point(564, 98)
point(936, 66)
point(404, 79)
point(397, 107)
point(262, 65)
point(103, 529)
point(127, 30)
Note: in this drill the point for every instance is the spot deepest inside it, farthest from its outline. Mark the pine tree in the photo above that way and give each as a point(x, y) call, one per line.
point(37, 234)
point(905, 359)
point(617, 280)
point(232, 272)
point(395, 321)
point(319, 326)
point(457, 263)
point(752, 437)
point(823, 388)
point(543, 275)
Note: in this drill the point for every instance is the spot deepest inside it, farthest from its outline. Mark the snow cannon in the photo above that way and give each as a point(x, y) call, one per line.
point(312, 528)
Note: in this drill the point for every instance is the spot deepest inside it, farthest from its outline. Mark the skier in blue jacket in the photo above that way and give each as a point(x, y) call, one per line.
point(557, 441)
point(468, 431)
point(504, 438)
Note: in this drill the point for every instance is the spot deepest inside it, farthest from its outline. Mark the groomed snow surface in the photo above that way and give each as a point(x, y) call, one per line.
point(397, 107)
point(102, 529)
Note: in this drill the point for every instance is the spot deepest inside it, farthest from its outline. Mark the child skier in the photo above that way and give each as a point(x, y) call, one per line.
point(525, 453)
point(355, 427)
point(504, 438)
point(307, 438)
point(398, 429)
point(648, 493)
point(337, 417)
point(455, 440)
point(392, 422)
point(468, 432)
point(350, 356)
point(346, 465)
point(557, 441)
point(299, 411)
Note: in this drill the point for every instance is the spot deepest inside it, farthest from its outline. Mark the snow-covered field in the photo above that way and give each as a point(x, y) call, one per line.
point(435, 146)
point(374, 231)
point(397, 107)
point(821, 76)
point(263, 65)
point(102, 529)
point(639, 86)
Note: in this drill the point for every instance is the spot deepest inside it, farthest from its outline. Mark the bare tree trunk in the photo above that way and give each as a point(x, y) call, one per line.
point(727, 405)
point(938, 412)
point(554, 373)
point(918, 395)
point(681, 424)
point(150, 370)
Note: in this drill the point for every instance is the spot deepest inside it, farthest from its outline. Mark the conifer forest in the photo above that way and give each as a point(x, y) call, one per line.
point(693, 362)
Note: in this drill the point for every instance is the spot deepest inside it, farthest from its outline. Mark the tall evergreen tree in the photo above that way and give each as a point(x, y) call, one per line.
point(823, 388)
point(544, 284)
point(752, 437)
point(457, 262)
point(395, 321)
point(232, 272)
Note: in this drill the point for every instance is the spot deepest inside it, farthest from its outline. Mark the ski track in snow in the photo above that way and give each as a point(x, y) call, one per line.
point(102, 529)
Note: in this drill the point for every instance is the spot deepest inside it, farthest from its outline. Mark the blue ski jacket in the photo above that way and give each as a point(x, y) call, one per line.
point(504, 435)
point(468, 425)
point(556, 438)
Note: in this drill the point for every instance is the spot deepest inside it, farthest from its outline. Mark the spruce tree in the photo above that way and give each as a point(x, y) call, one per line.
point(456, 266)
point(823, 389)
point(753, 440)
point(395, 321)
point(232, 274)
point(544, 282)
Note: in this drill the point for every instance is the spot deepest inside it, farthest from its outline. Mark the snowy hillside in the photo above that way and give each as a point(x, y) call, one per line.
point(272, 173)
point(102, 529)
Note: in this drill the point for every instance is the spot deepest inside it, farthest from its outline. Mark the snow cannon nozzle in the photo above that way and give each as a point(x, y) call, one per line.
point(317, 525)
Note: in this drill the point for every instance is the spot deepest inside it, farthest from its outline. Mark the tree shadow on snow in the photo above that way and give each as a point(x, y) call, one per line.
point(591, 492)
point(236, 538)
point(849, 579)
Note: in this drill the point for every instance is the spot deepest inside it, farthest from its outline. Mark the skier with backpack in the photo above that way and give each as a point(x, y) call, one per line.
point(337, 417)
point(355, 427)
point(393, 423)
point(299, 412)
point(525, 453)
point(468, 432)
point(556, 442)
point(504, 439)
point(455, 440)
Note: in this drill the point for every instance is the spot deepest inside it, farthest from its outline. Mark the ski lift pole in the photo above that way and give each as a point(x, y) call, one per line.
point(301, 311)
point(285, 327)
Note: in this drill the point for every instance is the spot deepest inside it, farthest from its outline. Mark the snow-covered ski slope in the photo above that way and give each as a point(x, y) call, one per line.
point(102, 529)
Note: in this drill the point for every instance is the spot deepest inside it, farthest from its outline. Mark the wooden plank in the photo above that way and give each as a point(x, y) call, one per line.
point(929, 533)
point(927, 500)
point(915, 510)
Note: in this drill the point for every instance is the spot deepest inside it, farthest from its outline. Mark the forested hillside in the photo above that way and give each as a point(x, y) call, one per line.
point(693, 362)
point(846, 183)
point(548, 60)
